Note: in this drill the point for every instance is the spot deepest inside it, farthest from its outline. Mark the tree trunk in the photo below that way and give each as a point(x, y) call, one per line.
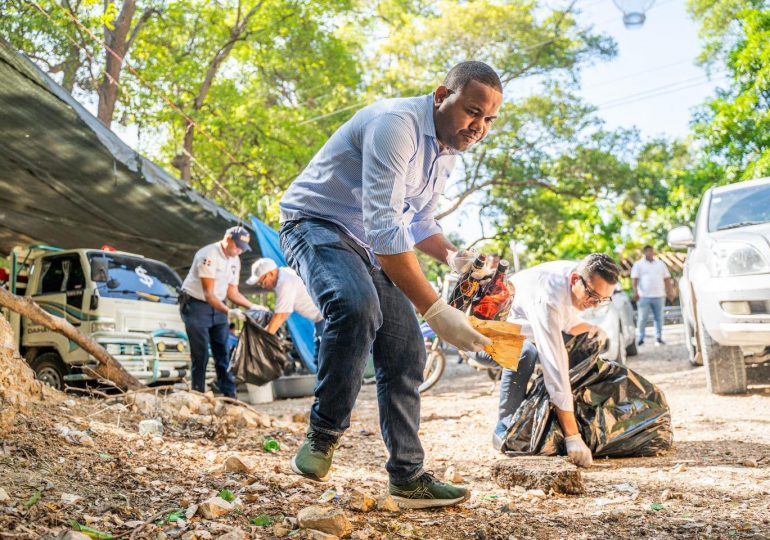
point(108, 367)
point(118, 41)
point(18, 385)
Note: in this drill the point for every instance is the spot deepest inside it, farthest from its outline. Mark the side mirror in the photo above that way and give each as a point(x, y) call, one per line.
point(100, 270)
point(680, 238)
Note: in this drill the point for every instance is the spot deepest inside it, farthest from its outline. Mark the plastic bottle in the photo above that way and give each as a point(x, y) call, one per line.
point(468, 285)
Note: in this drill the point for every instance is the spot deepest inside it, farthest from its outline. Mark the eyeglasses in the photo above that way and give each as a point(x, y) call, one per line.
point(593, 296)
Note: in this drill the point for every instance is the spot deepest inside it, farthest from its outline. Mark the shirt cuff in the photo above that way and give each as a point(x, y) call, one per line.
point(424, 229)
point(563, 401)
point(390, 241)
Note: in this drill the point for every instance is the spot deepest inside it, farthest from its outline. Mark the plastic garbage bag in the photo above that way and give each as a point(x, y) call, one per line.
point(259, 357)
point(619, 413)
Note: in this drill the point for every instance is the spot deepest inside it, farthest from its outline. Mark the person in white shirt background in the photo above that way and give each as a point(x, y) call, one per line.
point(290, 295)
point(547, 304)
point(652, 284)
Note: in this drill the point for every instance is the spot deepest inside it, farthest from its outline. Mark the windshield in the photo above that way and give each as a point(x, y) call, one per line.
point(137, 279)
point(740, 208)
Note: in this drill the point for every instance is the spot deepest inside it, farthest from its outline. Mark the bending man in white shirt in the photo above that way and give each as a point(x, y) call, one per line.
point(290, 294)
point(547, 303)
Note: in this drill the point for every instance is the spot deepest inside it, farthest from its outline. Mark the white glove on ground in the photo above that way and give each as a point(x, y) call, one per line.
point(461, 261)
point(451, 325)
point(236, 313)
point(578, 452)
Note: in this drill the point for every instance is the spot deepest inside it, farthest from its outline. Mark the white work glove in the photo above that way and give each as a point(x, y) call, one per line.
point(451, 325)
point(236, 313)
point(578, 452)
point(461, 261)
point(598, 334)
point(259, 307)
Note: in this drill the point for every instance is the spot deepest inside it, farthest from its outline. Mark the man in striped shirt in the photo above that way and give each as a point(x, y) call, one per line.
point(350, 223)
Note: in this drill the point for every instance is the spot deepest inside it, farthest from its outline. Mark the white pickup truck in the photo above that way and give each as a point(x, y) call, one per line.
point(725, 288)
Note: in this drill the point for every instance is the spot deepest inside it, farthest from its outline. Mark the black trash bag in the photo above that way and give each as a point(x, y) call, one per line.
point(259, 357)
point(619, 413)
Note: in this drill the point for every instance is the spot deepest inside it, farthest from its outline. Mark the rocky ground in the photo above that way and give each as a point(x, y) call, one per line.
point(81, 463)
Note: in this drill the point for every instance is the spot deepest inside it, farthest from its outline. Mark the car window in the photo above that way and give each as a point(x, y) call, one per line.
point(739, 208)
point(62, 274)
point(135, 278)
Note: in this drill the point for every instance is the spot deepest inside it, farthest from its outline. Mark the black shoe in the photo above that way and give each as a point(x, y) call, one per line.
point(640, 342)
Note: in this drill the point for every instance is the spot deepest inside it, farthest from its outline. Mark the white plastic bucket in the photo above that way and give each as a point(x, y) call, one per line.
point(260, 393)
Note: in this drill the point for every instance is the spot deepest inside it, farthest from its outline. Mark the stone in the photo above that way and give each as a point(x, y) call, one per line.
point(536, 472)
point(451, 475)
point(327, 519)
point(144, 403)
point(281, 530)
point(191, 511)
point(388, 504)
point(361, 502)
point(69, 498)
point(189, 535)
point(235, 534)
point(300, 418)
point(73, 436)
point(749, 463)
point(4, 496)
point(240, 464)
point(152, 427)
point(320, 535)
point(215, 507)
point(75, 535)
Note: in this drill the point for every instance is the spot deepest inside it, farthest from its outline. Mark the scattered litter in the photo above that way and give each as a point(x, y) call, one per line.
point(88, 531)
point(68, 498)
point(3, 495)
point(679, 468)
point(33, 500)
point(73, 436)
point(152, 427)
point(271, 445)
point(656, 506)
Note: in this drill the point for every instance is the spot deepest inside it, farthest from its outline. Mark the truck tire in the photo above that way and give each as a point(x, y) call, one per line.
point(725, 367)
point(690, 342)
point(49, 369)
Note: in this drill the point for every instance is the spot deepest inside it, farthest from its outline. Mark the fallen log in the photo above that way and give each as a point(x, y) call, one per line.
point(107, 366)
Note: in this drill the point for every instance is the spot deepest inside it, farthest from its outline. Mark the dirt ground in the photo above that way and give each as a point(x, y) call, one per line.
point(714, 483)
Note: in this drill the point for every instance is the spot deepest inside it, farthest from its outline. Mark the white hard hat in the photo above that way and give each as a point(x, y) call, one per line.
point(259, 269)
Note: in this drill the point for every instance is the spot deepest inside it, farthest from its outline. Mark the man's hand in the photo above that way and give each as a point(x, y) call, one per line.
point(598, 334)
point(258, 307)
point(578, 452)
point(636, 296)
point(451, 325)
point(461, 261)
point(237, 314)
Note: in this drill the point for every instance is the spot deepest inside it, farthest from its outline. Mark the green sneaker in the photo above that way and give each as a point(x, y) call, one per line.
point(314, 458)
point(427, 492)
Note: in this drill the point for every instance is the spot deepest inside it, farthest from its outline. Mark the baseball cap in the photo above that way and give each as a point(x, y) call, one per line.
point(240, 236)
point(259, 269)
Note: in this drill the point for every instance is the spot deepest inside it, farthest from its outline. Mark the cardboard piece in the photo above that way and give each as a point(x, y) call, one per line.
point(507, 341)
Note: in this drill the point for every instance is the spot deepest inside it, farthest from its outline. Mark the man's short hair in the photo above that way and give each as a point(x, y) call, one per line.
point(601, 265)
point(647, 247)
point(465, 72)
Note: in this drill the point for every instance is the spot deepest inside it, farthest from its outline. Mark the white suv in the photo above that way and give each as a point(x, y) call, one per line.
point(725, 289)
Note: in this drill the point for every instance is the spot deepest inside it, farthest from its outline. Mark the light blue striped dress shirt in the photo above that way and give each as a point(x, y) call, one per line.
point(379, 177)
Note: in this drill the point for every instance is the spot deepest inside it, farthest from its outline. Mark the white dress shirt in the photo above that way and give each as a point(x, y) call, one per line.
point(291, 295)
point(542, 305)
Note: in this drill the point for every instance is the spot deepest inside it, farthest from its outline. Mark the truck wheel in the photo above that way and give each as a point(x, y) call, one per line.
point(49, 369)
point(690, 342)
point(726, 370)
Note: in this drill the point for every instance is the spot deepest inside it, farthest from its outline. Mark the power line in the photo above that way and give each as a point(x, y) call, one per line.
point(620, 102)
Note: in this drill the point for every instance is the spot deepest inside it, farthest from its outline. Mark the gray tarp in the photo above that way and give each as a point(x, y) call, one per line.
point(67, 181)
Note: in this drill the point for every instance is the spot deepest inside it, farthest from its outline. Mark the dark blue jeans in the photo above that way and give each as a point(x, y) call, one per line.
point(364, 311)
point(205, 326)
point(513, 385)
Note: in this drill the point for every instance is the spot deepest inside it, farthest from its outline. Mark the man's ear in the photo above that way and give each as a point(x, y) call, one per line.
point(441, 93)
